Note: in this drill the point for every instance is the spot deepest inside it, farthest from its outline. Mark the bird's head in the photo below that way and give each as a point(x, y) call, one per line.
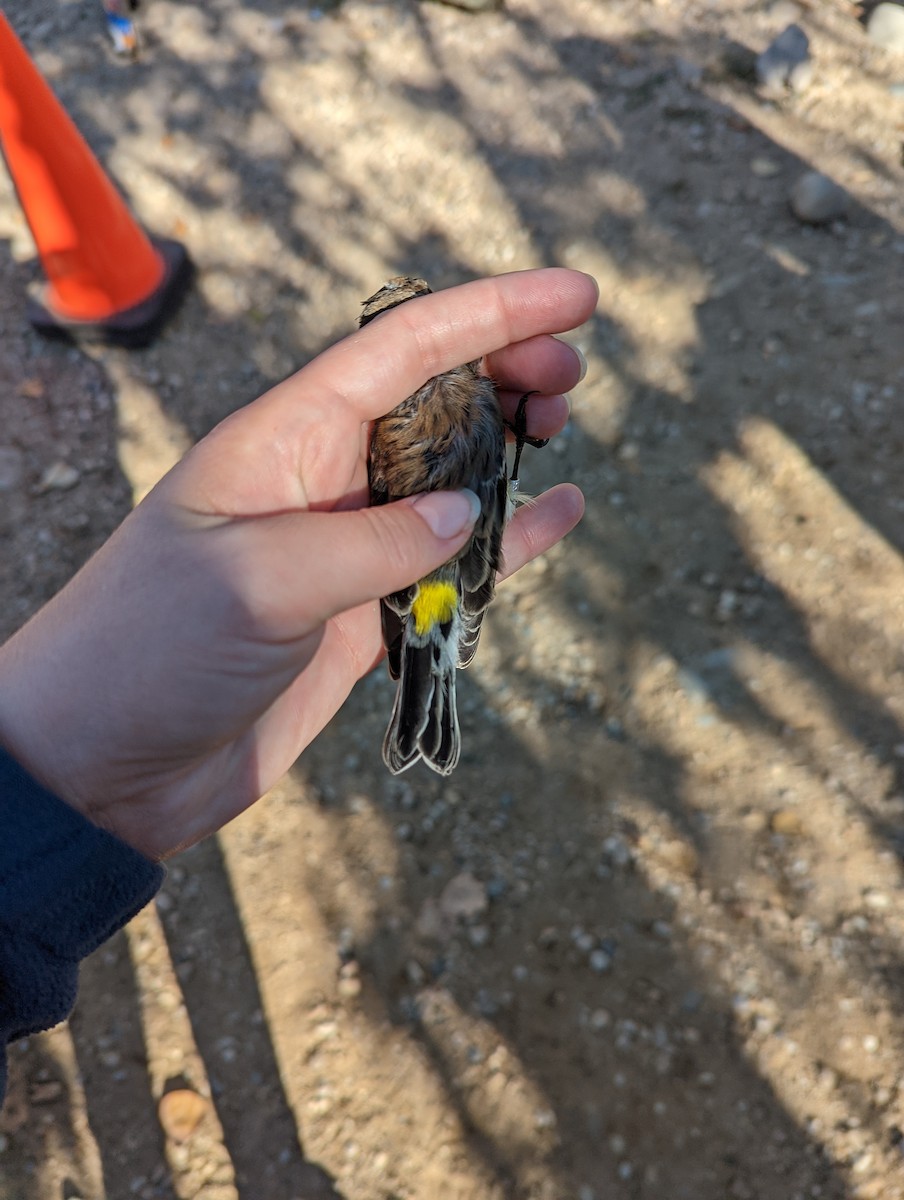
point(393, 293)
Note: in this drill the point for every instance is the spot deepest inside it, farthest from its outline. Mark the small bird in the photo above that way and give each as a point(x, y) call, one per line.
point(449, 434)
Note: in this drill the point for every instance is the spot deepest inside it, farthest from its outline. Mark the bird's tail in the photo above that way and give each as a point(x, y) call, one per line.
point(424, 722)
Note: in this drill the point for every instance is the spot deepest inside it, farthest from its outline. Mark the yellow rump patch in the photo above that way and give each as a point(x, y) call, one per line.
point(434, 604)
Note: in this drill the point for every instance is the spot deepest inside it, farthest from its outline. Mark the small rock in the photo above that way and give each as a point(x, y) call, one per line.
point(817, 200)
point(776, 65)
point(487, 1004)
point(12, 468)
point(59, 477)
point(688, 72)
point(615, 730)
point(801, 76)
point(463, 897)
point(548, 938)
point(786, 822)
point(679, 856)
point(885, 27)
point(584, 941)
point(31, 389)
point(45, 1093)
point(784, 12)
point(599, 1019)
point(180, 1113)
point(77, 522)
point(728, 603)
point(496, 888)
point(754, 821)
point(349, 985)
point(765, 168)
point(478, 936)
point(430, 923)
point(600, 961)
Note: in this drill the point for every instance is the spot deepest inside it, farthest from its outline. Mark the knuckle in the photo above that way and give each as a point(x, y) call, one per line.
point(394, 538)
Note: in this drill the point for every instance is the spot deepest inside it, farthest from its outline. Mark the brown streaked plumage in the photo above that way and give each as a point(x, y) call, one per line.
point(449, 434)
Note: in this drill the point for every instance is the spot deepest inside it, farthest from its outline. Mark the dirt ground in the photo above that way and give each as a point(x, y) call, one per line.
point(647, 941)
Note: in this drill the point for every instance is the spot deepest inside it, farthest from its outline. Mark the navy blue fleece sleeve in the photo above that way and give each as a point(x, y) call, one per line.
point(65, 886)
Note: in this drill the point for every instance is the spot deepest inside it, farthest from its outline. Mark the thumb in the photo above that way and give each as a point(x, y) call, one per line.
point(344, 559)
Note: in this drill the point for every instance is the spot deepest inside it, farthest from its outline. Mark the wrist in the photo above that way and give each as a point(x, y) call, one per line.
point(29, 731)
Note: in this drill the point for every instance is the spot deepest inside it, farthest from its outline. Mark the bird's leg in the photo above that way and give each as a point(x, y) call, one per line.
point(522, 438)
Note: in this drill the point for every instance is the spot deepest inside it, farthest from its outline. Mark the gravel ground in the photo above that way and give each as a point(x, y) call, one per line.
point(646, 942)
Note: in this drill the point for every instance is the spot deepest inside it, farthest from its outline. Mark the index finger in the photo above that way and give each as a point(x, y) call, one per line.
point(371, 371)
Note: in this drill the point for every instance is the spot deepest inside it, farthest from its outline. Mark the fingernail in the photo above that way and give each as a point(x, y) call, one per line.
point(448, 513)
point(580, 356)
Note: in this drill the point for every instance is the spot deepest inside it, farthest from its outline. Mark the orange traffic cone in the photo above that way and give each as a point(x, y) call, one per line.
point(105, 277)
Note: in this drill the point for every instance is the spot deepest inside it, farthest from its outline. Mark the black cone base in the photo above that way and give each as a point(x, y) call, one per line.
point(133, 327)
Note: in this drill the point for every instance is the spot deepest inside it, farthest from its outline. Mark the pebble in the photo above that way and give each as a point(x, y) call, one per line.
point(349, 983)
point(817, 200)
point(584, 942)
point(31, 389)
point(463, 896)
point(764, 168)
point(617, 851)
point(487, 1004)
point(615, 730)
point(885, 27)
point(784, 12)
point(59, 477)
point(496, 887)
point(548, 937)
point(45, 1092)
point(478, 936)
point(12, 468)
point(727, 605)
point(785, 63)
point(600, 961)
point(180, 1113)
point(786, 821)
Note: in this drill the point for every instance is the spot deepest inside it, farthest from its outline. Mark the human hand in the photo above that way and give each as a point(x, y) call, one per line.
point(187, 665)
